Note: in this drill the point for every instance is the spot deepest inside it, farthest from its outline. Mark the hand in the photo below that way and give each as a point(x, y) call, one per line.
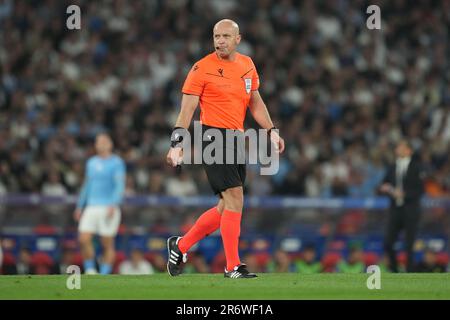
point(175, 156)
point(77, 214)
point(398, 194)
point(387, 188)
point(110, 212)
point(277, 141)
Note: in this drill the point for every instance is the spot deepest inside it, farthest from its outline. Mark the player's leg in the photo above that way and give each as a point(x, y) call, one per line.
point(108, 228)
point(177, 247)
point(230, 225)
point(87, 252)
point(86, 229)
point(206, 224)
point(109, 254)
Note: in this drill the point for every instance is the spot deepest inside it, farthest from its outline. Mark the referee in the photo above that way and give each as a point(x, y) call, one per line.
point(224, 83)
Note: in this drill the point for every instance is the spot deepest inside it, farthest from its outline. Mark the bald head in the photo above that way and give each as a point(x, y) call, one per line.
point(227, 23)
point(226, 38)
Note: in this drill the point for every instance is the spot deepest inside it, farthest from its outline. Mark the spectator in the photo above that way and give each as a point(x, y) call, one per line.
point(354, 263)
point(60, 89)
point(384, 263)
point(66, 260)
point(24, 263)
point(196, 264)
point(158, 262)
point(309, 263)
point(429, 263)
point(280, 263)
point(182, 186)
point(136, 265)
point(53, 186)
point(403, 184)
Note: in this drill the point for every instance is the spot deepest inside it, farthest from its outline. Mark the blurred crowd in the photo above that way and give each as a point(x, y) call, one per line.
point(340, 93)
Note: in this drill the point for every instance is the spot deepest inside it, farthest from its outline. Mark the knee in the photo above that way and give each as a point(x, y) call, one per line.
point(220, 206)
point(108, 246)
point(84, 239)
point(233, 199)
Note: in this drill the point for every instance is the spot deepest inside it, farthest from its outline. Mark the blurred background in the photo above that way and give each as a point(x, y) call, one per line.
point(341, 94)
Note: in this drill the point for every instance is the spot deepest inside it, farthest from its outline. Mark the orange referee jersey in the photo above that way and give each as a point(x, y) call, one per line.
point(224, 88)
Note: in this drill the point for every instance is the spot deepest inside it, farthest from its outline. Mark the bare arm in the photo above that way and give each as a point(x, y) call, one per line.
point(188, 105)
point(259, 111)
point(261, 115)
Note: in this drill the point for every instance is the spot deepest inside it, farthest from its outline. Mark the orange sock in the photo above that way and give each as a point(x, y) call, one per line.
point(206, 224)
point(230, 227)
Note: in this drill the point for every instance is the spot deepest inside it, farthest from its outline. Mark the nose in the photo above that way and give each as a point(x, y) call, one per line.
point(221, 40)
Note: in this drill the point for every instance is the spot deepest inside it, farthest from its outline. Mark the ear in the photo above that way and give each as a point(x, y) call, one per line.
point(238, 39)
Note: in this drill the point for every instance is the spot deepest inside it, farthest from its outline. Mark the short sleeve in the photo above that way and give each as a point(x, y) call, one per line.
point(255, 78)
point(194, 82)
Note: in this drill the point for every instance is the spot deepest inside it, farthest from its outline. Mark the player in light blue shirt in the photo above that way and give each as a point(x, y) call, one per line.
point(98, 209)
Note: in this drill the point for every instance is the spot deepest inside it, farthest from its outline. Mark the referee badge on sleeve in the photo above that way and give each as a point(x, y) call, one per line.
point(248, 85)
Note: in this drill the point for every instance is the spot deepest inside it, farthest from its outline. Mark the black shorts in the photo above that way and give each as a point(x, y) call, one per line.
point(224, 174)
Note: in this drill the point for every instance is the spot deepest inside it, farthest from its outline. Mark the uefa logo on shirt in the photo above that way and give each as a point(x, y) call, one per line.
point(248, 85)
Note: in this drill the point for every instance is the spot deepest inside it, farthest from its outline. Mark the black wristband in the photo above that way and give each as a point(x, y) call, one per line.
point(270, 130)
point(177, 136)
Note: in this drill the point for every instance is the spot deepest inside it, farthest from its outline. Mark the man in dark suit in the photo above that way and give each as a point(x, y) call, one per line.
point(403, 184)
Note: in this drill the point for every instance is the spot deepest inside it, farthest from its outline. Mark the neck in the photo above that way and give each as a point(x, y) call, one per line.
point(230, 57)
point(104, 154)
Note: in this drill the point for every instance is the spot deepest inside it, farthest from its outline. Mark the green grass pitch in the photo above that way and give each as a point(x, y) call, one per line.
point(214, 287)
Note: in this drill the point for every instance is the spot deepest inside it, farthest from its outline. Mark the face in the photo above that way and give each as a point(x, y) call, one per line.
point(402, 150)
point(67, 257)
point(226, 38)
point(136, 256)
point(282, 257)
point(25, 256)
point(355, 256)
point(430, 257)
point(309, 255)
point(103, 144)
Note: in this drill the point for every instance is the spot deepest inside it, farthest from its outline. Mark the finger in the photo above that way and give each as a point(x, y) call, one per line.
point(277, 145)
point(281, 146)
point(173, 162)
point(170, 161)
